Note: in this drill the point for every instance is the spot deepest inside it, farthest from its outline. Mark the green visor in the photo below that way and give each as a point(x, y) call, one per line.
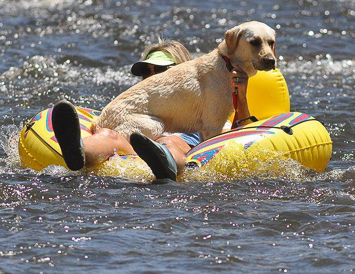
point(156, 58)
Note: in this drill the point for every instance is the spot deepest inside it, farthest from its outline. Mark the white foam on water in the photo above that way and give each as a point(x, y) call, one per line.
point(46, 68)
point(37, 67)
point(31, 4)
point(43, 77)
point(56, 171)
point(9, 143)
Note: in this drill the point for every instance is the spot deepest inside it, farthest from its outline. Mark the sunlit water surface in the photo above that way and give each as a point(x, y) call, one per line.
point(53, 221)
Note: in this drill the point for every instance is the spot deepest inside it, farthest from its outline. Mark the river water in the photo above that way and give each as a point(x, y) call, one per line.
point(60, 222)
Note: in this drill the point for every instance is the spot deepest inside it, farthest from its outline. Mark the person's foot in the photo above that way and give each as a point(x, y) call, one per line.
point(66, 128)
point(156, 155)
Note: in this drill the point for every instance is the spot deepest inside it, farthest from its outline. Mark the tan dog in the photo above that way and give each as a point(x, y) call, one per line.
point(195, 96)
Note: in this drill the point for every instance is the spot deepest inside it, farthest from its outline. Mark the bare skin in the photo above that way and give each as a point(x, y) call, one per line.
point(102, 145)
point(96, 153)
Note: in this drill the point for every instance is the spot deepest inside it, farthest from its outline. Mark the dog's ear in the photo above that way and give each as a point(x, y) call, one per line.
point(232, 38)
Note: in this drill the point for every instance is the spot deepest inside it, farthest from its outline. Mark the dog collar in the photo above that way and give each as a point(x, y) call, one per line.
point(228, 63)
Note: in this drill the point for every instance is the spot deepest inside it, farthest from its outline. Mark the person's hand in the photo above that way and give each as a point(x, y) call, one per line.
point(240, 84)
point(240, 81)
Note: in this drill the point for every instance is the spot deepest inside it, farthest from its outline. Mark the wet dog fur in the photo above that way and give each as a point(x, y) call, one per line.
point(195, 96)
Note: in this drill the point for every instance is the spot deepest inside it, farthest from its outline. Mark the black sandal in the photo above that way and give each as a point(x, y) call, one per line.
point(156, 155)
point(66, 128)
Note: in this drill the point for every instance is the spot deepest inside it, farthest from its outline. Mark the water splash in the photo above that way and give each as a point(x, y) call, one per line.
point(48, 68)
point(234, 162)
point(132, 168)
point(9, 143)
point(43, 80)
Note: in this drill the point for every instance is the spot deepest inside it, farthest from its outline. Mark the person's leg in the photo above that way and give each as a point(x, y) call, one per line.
point(66, 127)
point(156, 155)
point(166, 156)
point(101, 145)
point(90, 151)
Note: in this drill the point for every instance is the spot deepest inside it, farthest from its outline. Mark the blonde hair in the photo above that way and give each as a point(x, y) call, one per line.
point(178, 52)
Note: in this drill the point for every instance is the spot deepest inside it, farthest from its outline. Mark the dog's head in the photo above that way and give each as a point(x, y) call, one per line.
point(251, 45)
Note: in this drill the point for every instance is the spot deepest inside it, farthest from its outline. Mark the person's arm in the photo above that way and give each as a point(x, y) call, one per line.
point(240, 82)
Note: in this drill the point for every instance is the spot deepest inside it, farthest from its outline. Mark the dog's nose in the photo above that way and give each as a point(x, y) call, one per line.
point(269, 63)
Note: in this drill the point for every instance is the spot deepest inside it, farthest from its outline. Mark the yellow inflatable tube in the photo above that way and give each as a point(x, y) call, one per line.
point(267, 96)
point(293, 135)
point(38, 147)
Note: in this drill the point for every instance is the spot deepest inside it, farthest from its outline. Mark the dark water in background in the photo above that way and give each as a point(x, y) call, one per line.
point(54, 221)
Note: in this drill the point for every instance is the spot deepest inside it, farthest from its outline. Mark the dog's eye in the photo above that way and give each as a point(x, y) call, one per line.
point(255, 43)
point(271, 44)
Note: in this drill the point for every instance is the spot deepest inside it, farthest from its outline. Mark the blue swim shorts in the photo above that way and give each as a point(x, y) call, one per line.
point(192, 139)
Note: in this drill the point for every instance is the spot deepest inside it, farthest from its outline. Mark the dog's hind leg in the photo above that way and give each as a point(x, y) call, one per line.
point(148, 125)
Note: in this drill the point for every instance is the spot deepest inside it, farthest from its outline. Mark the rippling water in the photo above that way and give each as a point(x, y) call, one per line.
point(54, 221)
